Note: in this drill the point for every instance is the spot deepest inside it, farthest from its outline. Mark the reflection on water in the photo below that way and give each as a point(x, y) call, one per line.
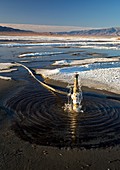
point(73, 126)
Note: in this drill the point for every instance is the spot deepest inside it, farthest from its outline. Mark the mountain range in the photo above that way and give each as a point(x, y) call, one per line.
point(113, 31)
point(10, 29)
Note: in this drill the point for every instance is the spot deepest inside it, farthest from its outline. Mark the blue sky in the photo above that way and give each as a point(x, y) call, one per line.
point(84, 13)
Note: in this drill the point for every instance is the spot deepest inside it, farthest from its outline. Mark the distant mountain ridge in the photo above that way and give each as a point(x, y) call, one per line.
point(113, 31)
point(44, 28)
point(10, 29)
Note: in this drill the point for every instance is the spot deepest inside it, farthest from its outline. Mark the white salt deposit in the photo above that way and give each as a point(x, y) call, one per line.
point(6, 65)
point(65, 38)
point(80, 42)
point(104, 78)
point(8, 70)
point(85, 61)
point(5, 78)
point(5, 68)
point(39, 54)
point(47, 72)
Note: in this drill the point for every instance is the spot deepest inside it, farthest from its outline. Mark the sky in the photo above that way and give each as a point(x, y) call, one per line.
point(83, 13)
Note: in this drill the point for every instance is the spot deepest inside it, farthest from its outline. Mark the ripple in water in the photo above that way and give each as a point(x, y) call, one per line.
point(41, 119)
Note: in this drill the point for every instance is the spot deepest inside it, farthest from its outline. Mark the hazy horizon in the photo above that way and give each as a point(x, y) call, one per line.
point(47, 28)
point(43, 28)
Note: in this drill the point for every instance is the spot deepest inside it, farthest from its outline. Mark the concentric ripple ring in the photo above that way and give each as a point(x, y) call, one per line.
point(40, 118)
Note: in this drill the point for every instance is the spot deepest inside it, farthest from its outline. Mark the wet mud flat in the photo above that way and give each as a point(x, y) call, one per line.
point(40, 135)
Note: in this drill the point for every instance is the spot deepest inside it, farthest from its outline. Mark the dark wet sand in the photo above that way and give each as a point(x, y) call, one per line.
point(17, 154)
